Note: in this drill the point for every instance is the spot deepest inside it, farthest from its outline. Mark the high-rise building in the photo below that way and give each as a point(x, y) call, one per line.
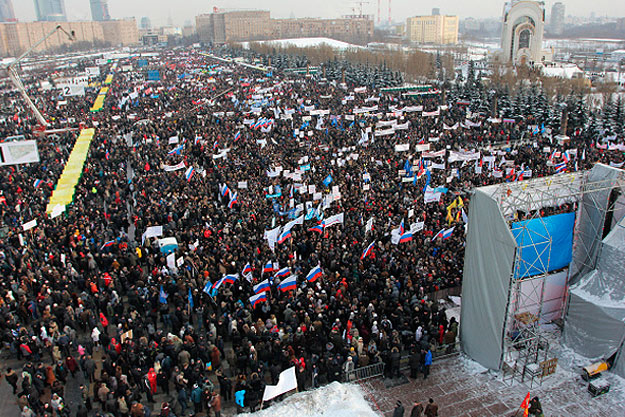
point(50, 10)
point(6, 11)
point(557, 19)
point(435, 29)
point(100, 10)
point(436, 11)
point(146, 23)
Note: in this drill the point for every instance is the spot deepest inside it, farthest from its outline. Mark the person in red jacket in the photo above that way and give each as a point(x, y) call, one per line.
point(152, 380)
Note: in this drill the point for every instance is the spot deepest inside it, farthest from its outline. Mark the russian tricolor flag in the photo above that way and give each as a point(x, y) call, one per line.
point(247, 269)
point(447, 233)
point(234, 200)
point(37, 183)
point(284, 272)
point(268, 268)
point(314, 274)
point(561, 167)
point(231, 278)
point(224, 190)
point(401, 227)
point(262, 287)
point(197, 140)
point(237, 136)
point(258, 298)
point(288, 284)
point(176, 150)
point(108, 244)
point(318, 228)
point(367, 251)
point(217, 284)
point(406, 237)
point(284, 236)
point(108, 155)
point(189, 173)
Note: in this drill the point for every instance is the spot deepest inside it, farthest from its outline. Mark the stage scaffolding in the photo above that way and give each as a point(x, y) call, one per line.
point(525, 354)
point(504, 310)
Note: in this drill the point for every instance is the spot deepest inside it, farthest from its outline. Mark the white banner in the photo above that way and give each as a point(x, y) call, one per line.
point(402, 147)
point(286, 382)
point(176, 167)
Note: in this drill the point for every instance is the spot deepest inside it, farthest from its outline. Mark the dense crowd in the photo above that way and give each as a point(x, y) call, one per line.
point(85, 298)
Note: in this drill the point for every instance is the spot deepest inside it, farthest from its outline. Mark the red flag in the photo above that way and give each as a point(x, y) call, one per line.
point(525, 405)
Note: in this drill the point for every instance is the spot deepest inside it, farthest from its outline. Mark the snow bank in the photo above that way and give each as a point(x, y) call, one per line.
point(308, 42)
point(333, 400)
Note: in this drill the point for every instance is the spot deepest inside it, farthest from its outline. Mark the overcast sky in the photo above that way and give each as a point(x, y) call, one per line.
point(183, 10)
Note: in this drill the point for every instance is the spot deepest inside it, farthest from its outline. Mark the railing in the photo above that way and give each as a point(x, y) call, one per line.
point(377, 369)
point(365, 372)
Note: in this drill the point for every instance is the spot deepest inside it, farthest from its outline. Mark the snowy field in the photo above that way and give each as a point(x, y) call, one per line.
point(333, 400)
point(308, 42)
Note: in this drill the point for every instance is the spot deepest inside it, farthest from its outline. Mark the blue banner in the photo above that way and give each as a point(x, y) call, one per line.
point(546, 244)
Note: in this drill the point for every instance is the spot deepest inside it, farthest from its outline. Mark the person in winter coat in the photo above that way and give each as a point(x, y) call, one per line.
point(427, 361)
point(417, 409)
point(399, 410)
point(348, 367)
point(11, 377)
point(216, 404)
point(431, 410)
point(395, 362)
point(536, 408)
point(152, 380)
point(415, 362)
point(196, 398)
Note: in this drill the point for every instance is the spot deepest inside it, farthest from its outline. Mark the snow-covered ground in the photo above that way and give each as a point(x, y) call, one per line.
point(308, 42)
point(333, 400)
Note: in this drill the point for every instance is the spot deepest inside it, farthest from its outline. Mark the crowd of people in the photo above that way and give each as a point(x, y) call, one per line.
point(230, 162)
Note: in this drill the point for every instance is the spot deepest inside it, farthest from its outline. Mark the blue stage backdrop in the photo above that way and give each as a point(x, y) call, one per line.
point(552, 238)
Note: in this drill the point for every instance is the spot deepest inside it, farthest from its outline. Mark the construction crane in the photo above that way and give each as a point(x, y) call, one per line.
point(15, 78)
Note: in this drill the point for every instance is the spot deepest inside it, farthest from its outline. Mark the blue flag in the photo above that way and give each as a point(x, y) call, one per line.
point(427, 180)
point(190, 299)
point(408, 168)
point(328, 180)
point(162, 296)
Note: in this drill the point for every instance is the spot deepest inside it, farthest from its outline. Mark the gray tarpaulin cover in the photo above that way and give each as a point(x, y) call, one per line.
point(595, 324)
point(488, 262)
point(591, 217)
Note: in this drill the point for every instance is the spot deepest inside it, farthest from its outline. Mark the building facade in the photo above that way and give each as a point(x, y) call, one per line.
point(522, 33)
point(17, 37)
point(50, 10)
point(436, 29)
point(6, 11)
point(355, 30)
point(99, 10)
point(556, 25)
point(233, 26)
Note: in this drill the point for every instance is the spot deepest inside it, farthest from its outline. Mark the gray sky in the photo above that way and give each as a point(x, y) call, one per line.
point(182, 10)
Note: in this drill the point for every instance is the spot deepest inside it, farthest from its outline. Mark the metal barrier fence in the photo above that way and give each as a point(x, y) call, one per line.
point(377, 369)
point(365, 372)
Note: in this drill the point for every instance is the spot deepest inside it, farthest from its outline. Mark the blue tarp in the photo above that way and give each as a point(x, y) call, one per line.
point(546, 244)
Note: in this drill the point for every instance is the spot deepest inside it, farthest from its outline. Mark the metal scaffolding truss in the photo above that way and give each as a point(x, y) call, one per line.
point(591, 199)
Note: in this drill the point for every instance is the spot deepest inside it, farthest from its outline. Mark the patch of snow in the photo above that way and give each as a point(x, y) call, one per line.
point(470, 366)
point(333, 400)
point(562, 71)
point(308, 42)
